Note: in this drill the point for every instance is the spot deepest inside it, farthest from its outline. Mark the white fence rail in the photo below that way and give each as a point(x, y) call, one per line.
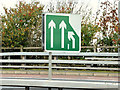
point(80, 62)
point(60, 61)
point(57, 54)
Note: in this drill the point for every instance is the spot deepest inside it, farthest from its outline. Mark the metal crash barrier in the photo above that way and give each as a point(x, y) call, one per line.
point(90, 59)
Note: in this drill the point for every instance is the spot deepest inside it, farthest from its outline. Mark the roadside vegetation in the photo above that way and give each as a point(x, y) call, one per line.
point(22, 26)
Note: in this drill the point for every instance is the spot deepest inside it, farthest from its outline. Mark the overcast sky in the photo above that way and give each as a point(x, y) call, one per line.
point(11, 3)
point(94, 4)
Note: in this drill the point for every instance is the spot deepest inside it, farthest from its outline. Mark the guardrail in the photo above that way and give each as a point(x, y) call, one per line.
point(75, 84)
point(59, 61)
point(83, 62)
point(58, 54)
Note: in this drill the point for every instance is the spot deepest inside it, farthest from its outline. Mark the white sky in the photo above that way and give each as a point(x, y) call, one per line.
point(11, 3)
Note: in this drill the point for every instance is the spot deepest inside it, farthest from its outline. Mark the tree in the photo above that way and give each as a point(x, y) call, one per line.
point(21, 26)
point(108, 23)
point(88, 29)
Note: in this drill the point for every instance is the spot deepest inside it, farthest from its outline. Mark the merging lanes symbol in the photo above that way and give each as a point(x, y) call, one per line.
point(70, 36)
point(63, 26)
point(52, 25)
point(62, 32)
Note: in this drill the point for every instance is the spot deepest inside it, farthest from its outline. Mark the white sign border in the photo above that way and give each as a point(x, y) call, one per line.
point(60, 14)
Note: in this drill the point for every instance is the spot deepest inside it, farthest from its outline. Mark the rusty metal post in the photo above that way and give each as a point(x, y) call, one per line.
point(27, 88)
point(49, 88)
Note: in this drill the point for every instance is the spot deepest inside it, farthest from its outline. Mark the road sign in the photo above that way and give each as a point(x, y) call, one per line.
point(62, 32)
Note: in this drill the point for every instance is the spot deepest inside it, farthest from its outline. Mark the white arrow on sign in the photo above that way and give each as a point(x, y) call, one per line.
point(52, 25)
point(63, 26)
point(70, 36)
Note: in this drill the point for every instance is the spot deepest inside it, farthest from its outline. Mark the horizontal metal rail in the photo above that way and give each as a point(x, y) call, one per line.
point(84, 62)
point(57, 54)
point(58, 83)
point(94, 58)
point(87, 68)
point(4, 66)
point(41, 47)
point(60, 61)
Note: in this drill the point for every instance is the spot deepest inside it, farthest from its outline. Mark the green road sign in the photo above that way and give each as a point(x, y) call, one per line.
point(62, 32)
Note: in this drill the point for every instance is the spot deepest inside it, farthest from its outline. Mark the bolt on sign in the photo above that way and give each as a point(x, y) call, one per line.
point(62, 32)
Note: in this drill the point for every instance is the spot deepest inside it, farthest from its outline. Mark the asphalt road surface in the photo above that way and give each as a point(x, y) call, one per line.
point(63, 77)
point(35, 88)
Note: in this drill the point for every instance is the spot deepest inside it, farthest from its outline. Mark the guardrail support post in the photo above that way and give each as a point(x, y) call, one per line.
point(69, 58)
point(55, 58)
point(49, 88)
point(26, 88)
point(59, 88)
point(50, 66)
point(21, 50)
point(95, 47)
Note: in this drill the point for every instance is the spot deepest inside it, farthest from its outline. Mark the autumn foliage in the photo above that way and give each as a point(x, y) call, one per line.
point(109, 23)
point(21, 25)
point(88, 29)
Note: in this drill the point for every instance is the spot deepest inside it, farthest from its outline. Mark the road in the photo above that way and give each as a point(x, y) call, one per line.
point(57, 77)
point(36, 88)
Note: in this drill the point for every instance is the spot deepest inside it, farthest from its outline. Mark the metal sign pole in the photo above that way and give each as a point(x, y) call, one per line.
point(50, 66)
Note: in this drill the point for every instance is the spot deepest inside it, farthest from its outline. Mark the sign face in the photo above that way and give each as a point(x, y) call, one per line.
point(62, 32)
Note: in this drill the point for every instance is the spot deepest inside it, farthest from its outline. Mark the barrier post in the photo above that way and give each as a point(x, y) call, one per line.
point(49, 88)
point(21, 50)
point(26, 88)
point(55, 58)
